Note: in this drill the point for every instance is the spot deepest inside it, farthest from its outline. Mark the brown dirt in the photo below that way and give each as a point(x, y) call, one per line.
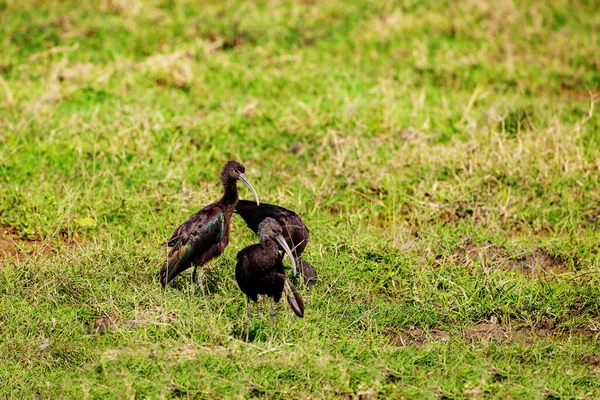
point(101, 325)
point(449, 214)
point(419, 337)
point(592, 360)
point(488, 332)
point(181, 394)
point(491, 255)
point(256, 392)
point(539, 262)
point(14, 246)
point(498, 333)
point(362, 395)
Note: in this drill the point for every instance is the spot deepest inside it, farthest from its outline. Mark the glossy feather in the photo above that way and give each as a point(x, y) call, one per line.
point(199, 239)
point(205, 234)
point(259, 271)
point(295, 232)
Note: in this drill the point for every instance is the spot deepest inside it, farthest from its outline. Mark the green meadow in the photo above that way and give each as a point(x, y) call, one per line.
point(445, 156)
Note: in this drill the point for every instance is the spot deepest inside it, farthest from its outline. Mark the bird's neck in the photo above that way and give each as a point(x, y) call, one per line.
point(230, 196)
point(269, 244)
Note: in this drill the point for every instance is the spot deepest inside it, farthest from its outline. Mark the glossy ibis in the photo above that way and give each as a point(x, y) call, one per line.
point(294, 231)
point(259, 270)
point(205, 234)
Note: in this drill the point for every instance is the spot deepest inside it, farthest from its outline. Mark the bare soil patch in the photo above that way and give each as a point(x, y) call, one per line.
point(419, 337)
point(14, 246)
point(487, 332)
point(592, 360)
point(101, 325)
point(491, 255)
point(539, 262)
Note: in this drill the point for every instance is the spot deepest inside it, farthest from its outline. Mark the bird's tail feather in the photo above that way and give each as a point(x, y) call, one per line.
point(293, 297)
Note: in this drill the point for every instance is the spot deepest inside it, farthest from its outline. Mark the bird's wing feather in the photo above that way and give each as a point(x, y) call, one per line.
point(253, 214)
point(295, 231)
point(199, 233)
point(197, 240)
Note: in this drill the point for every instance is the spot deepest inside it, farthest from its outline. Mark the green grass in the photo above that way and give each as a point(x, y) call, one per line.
point(445, 155)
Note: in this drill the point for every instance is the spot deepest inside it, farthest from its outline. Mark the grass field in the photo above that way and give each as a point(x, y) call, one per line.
point(445, 155)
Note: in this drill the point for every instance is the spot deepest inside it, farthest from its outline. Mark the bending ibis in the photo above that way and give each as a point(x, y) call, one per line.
point(295, 232)
point(205, 234)
point(259, 270)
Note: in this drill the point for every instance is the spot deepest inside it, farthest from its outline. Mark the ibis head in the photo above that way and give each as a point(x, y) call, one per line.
point(233, 171)
point(269, 230)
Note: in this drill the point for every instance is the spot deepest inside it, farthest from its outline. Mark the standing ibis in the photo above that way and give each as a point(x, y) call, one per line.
point(205, 234)
point(294, 231)
point(259, 270)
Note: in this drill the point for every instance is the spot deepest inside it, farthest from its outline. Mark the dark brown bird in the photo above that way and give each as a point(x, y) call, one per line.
point(259, 271)
point(295, 232)
point(205, 234)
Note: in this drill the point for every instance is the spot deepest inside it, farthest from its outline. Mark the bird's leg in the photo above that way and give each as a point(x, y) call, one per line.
point(260, 312)
point(193, 281)
point(200, 276)
point(272, 315)
point(249, 314)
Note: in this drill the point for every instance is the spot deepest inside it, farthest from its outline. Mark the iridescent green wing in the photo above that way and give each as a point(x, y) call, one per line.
point(201, 235)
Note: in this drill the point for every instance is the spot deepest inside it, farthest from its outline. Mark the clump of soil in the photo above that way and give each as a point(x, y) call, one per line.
point(101, 325)
point(592, 360)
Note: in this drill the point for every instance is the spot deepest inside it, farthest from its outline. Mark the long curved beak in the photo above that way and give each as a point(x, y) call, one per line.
point(243, 178)
point(281, 241)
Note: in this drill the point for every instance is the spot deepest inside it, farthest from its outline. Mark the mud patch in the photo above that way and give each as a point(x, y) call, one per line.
point(18, 247)
point(488, 332)
point(497, 333)
point(539, 262)
point(592, 360)
point(419, 337)
point(491, 255)
point(14, 246)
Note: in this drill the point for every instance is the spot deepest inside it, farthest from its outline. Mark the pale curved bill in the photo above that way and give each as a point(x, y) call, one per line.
point(247, 183)
point(285, 247)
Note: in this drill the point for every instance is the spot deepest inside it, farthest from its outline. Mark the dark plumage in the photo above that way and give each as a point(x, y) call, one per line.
point(259, 270)
point(295, 232)
point(205, 234)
